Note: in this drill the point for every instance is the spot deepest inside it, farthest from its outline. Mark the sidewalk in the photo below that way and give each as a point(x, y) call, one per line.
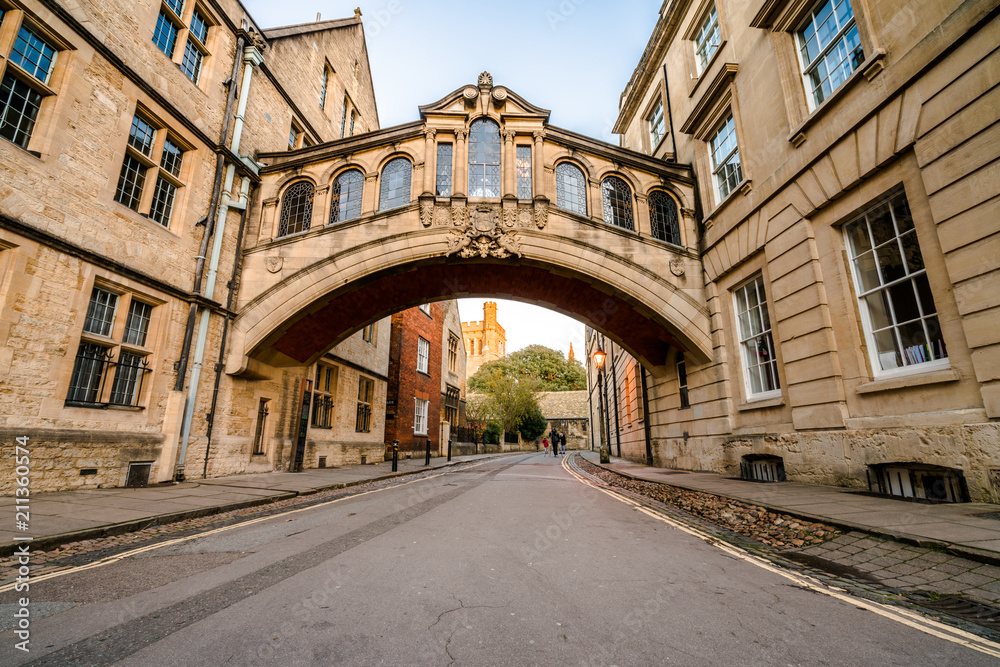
point(954, 527)
point(68, 516)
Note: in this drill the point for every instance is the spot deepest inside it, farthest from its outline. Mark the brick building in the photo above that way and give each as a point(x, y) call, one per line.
point(485, 339)
point(421, 368)
point(127, 163)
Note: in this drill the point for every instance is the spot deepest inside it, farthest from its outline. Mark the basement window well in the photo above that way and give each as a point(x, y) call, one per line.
point(762, 468)
point(918, 481)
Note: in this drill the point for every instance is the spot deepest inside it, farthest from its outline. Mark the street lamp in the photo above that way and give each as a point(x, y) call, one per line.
point(599, 357)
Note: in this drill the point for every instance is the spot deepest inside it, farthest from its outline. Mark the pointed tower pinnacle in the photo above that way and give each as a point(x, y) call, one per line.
point(571, 356)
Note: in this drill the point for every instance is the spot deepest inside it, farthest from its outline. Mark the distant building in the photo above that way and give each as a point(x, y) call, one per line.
point(453, 363)
point(485, 340)
point(566, 412)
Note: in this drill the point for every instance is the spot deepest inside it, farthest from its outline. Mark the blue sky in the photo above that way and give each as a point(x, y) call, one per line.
point(573, 57)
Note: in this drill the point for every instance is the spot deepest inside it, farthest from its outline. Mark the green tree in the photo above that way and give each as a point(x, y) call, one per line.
point(533, 424)
point(504, 399)
point(549, 367)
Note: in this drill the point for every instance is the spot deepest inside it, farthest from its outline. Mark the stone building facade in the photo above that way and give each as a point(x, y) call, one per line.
point(453, 369)
point(126, 169)
point(847, 155)
point(567, 412)
point(486, 339)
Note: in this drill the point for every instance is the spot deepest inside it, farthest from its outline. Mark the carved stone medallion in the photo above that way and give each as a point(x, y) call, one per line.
point(484, 236)
point(273, 264)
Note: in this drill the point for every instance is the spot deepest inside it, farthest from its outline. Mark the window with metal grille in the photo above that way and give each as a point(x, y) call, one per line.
point(95, 361)
point(258, 436)
point(366, 389)
point(760, 366)
point(617, 199)
point(345, 196)
point(896, 303)
point(524, 185)
point(708, 39)
point(484, 158)
point(423, 353)
point(443, 182)
point(682, 381)
point(394, 190)
point(663, 220)
point(829, 48)
point(571, 188)
point(420, 416)
point(296, 209)
point(324, 390)
point(452, 352)
point(725, 151)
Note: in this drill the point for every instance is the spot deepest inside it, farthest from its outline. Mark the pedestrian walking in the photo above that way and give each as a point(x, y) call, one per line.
point(545, 444)
point(562, 442)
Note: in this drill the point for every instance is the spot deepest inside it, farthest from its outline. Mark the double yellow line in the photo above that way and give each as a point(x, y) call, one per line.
point(160, 545)
point(904, 616)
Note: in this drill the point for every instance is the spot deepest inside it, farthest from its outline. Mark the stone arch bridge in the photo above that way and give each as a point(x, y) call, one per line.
point(480, 197)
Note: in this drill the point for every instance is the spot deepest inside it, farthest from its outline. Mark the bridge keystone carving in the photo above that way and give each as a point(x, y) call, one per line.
point(485, 235)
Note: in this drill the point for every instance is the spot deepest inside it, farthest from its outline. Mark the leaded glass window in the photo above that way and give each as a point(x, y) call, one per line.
point(141, 136)
point(191, 64)
point(898, 311)
point(829, 47)
point(708, 39)
point(726, 166)
point(137, 323)
point(353, 118)
point(33, 54)
point(163, 201)
point(443, 184)
point(19, 105)
point(199, 28)
point(484, 159)
point(571, 188)
point(617, 199)
point(345, 196)
point(760, 365)
point(343, 120)
point(130, 183)
point(524, 187)
point(682, 381)
point(394, 190)
point(165, 34)
point(171, 159)
point(663, 217)
point(296, 209)
point(176, 5)
point(101, 312)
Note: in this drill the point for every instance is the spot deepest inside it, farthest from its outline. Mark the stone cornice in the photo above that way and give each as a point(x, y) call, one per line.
point(282, 160)
point(710, 99)
point(678, 172)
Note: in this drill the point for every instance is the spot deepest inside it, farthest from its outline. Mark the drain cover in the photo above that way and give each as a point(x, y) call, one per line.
point(989, 515)
point(963, 608)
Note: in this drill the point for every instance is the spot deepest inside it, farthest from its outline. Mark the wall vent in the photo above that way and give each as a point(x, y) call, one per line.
point(762, 468)
point(138, 474)
point(322, 462)
point(918, 481)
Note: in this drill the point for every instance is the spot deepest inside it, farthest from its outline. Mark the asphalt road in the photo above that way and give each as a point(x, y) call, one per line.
point(512, 562)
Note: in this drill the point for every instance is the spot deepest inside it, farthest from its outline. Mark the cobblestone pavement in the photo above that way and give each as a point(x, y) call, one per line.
point(954, 590)
point(77, 553)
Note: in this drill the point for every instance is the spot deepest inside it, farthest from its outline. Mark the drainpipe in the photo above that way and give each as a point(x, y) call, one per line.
point(670, 116)
point(646, 417)
point(199, 267)
point(220, 364)
point(252, 58)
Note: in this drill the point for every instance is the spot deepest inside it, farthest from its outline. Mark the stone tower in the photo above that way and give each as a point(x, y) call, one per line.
point(485, 340)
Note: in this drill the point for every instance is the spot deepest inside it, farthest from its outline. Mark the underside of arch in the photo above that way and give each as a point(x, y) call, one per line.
point(305, 336)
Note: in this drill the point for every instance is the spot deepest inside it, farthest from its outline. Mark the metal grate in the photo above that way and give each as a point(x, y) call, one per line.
point(959, 607)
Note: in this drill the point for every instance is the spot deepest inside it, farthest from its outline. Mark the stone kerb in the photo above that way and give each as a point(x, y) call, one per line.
point(311, 268)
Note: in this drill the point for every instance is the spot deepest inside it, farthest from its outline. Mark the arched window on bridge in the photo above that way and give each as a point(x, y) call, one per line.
point(617, 202)
point(571, 188)
point(345, 196)
point(663, 217)
point(296, 208)
point(395, 188)
point(484, 159)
